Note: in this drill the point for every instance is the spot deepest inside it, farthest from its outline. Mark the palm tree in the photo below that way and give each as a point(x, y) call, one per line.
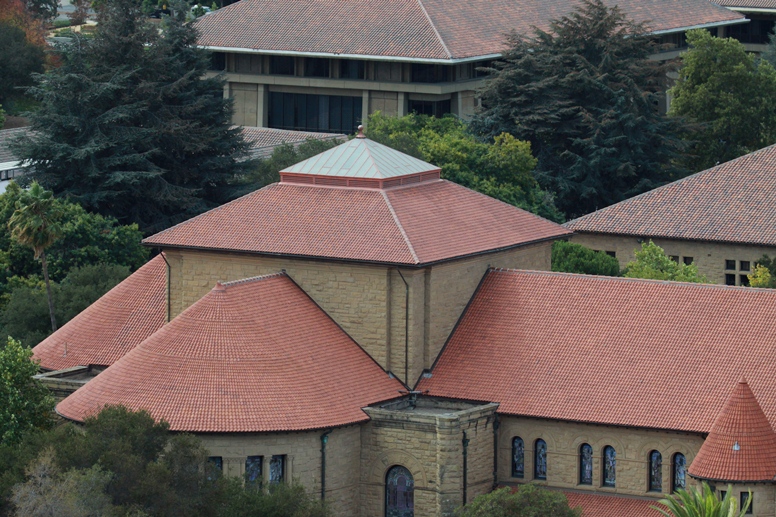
point(35, 224)
point(702, 502)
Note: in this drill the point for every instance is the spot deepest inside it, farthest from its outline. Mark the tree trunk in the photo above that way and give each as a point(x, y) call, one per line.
point(48, 292)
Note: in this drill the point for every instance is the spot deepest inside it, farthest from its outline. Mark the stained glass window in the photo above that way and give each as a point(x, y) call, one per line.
point(585, 464)
point(518, 457)
point(655, 471)
point(277, 469)
point(399, 493)
point(610, 466)
point(253, 469)
point(216, 467)
point(540, 460)
point(679, 472)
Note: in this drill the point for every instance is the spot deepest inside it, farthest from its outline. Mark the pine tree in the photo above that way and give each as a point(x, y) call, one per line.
point(585, 94)
point(128, 125)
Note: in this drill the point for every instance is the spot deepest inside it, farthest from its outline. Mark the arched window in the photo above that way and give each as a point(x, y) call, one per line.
point(655, 472)
point(518, 457)
point(399, 493)
point(610, 466)
point(678, 467)
point(540, 459)
point(585, 464)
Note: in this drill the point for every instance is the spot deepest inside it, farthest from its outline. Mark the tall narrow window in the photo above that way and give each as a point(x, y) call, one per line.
point(518, 457)
point(655, 472)
point(216, 467)
point(253, 469)
point(745, 500)
point(277, 469)
point(399, 493)
point(585, 464)
point(540, 459)
point(610, 466)
point(679, 472)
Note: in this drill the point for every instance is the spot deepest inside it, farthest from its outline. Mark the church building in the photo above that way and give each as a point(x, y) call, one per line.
point(398, 344)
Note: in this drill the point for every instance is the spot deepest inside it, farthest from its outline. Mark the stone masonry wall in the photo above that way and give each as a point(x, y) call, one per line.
point(564, 440)
point(709, 257)
point(763, 496)
point(303, 460)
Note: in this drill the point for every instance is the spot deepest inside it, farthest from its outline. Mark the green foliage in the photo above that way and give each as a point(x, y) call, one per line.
point(2, 115)
point(25, 307)
point(25, 404)
point(652, 262)
point(702, 503)
point(729, 95)
point(279, 500)
point(764, 274)
point(570, 257)
point(44, 10)
point(501, 169)
point(528, 501)
point(130, 127)
point(19, 59)
point(584, 94)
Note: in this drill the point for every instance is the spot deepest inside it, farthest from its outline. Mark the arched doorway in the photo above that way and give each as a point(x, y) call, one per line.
point(399, 493)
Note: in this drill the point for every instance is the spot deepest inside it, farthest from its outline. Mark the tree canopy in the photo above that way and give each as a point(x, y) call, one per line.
point(130, 127)
point(584, 94)
point(570, 257)
point(652, 263)
point(729, 95)
point(501, 169)
point(528, 501)
point(764, 273)
point(19, 60)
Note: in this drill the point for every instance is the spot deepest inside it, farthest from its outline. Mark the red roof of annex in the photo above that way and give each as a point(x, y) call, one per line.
point(111, 326)
point(254, 355)
point(732, 202)
point(605, 350)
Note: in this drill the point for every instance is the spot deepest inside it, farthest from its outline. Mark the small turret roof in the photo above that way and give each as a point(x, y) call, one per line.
point(741, 446)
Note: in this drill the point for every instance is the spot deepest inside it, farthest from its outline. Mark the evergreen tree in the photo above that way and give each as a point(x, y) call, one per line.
point(585, 95)
point(570, 257)
point(128, 125)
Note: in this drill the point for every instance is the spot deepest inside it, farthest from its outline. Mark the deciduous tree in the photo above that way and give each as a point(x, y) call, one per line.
point(584, 93)
point(528, 501)
point(19, 60)
point(570, 257)
point(652, 262)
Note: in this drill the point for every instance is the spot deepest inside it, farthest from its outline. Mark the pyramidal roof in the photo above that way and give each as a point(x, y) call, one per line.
point(113, 325)
point(361, 158)
point(741, 446)
point(256, 355)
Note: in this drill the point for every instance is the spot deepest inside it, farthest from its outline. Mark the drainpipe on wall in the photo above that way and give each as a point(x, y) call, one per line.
point(324, 440)
point(168, 285)
point(465, 442)
point(496, 424)
point(406, 329)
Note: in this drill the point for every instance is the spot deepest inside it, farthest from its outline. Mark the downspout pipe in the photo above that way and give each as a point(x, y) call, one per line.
point(324, 441)
point(406, 329)
point(465, 443)
point(496, 424)
point(168, 285)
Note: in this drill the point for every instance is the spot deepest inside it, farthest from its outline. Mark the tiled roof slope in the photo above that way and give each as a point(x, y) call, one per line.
point(361, 158)
point(752, 4)
point(732, 202)
point(113, 325)
point(264, 140)
point(605, 350)
point(416, 29)
point(741, 446)
point(601, 505)
point(250, 356)
point(5, 139)
point(418, 224)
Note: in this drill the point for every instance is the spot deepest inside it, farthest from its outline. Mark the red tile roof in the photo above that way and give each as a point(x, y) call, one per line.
point(732, 202)
point(751, 4)
point(604, 505)
point(416, 29)
point(263, 141)
point(428, 222)
point(608, 350)
point(250, 356)
point(113, 325)
point(741, 446)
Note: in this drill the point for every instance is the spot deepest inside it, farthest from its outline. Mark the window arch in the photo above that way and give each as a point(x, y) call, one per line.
point(585, 464)
point(678, 472)
point(540, 459)
point(610, 466)
point(399, 493)
point(518, 457)
point(655, 471)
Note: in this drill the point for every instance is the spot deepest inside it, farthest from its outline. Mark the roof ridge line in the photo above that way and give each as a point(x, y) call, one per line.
point(401, 228)
point(251, 279)
point(371, 157)
point(433, 27)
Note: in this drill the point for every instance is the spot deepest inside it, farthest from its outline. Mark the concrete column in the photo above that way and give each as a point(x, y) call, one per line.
point(226, 90)
point(402, 108)
point(364, 106)
point(262, 106)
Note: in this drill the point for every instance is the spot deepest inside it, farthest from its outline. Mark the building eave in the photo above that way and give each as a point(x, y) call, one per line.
point(701, 26)
point(743, 9)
